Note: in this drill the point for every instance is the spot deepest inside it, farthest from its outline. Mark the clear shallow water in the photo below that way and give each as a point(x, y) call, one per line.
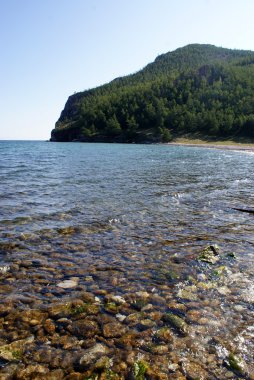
point(123, 218)
point(53, 185)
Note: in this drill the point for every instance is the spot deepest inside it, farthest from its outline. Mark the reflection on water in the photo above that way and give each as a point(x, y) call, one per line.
point(125, 219)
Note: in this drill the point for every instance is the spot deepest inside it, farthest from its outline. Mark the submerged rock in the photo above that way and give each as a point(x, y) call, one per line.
point(4, 269)
point(139, 369)
point(177, 322)
point(85, 328)
point(211, 254)
point(93, 354)
point(67, 284)
point(194, 371)
point(14, 350)
point(113, 330)
point(118, 300)
point(236, 364)
point(164, 335)
point(189, 293)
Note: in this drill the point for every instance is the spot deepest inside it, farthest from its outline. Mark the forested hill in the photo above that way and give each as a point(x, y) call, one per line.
point(197, 89)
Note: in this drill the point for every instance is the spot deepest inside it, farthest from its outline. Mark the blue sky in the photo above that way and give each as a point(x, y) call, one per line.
point(52, 48)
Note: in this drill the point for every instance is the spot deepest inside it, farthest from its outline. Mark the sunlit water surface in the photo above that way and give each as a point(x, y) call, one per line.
point(140, 214)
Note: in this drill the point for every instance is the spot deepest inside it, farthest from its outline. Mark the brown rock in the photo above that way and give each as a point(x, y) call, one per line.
point(49, 326)
point(145, 324)
point(164, 335)
point(32, 371)
point(160, 349)
point(8, 372)
point(91, 355)
point(84, 328)
point(61, 310)
point(75, 376)
point(57, 374)
point(32, 315)
point(127, 341)
point(14, 351)
point(4, 310)
point(194, 371)
point(65, 341)
point(113, 330)
point(87, 297)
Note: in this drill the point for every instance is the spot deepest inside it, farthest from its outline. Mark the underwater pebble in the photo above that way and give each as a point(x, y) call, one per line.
point(92, 354)
point(239, 308)
point(224, 290)
point(67, 284)
point(117, 299)
point(120, 317)
point(194, 371)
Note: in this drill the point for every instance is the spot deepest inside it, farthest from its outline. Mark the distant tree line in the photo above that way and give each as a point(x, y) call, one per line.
point(197, 89)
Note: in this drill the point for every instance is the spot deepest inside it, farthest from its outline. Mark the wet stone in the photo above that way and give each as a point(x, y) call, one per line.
point(133, 319)
point(57, 311)
point(193, 316)
point(9, 371)
point(5, 309)
point(210, 254)
point(84, 328)
point(120, 317)
point(92, 354)
point(74, 376)
point(157, 300)
point(177, 306)
point(188, 293)
point(236, 364)
point(160, 349)
point(49, 326)
point(113, 330)
point(87, 297)
point(102, 363)
point(194, 371)
point(112, 308)
point(177, 322)
point(67, 284)
point(32, 371)
point(118, 300)
point(14, 350)
point(145, 324)
point(164, 335)
point(127, 341)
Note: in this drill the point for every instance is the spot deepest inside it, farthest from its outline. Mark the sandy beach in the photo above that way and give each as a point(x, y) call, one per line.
point(224, 145)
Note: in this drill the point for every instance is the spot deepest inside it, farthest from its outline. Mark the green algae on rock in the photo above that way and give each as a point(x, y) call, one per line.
point(236, 364)
point(14, 350)
point(139, 369)
point(177, 322)
point(210, 254)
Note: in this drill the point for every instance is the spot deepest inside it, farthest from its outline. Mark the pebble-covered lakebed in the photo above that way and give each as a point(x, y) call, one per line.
point(125, 262)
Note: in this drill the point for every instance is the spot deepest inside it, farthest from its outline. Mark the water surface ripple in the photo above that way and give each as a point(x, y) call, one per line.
point(124, 219)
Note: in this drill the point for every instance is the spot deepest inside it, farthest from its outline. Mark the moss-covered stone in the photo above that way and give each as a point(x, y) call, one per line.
point(139, 369)
point(177, 322)
point(111, 307)
point(210, 254)
point(236, 364)
point(14, 351)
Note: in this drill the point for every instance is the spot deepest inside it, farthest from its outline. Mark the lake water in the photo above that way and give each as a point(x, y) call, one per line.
point(126, 219)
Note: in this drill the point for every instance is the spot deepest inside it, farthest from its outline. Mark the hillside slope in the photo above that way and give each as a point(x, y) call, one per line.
point(195, 89)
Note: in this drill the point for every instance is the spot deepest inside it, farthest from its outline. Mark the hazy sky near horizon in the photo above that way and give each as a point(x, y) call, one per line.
point(53, 48)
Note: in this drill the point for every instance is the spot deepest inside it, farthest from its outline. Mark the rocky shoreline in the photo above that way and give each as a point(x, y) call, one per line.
point(95, 321)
